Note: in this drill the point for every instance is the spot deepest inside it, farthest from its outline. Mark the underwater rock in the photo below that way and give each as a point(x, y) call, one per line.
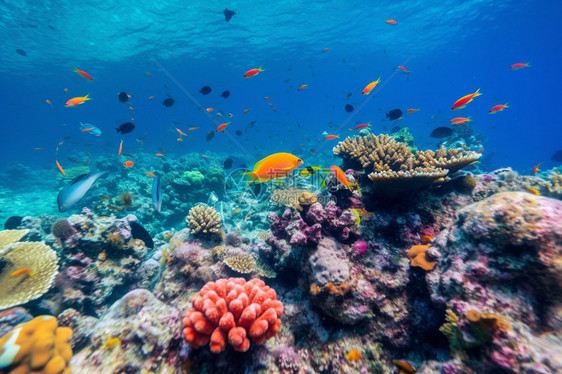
point(148, 334)
point(328, 264)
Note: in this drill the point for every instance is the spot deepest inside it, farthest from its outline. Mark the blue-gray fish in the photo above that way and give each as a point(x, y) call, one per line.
point(75, 190)
point(157, 194)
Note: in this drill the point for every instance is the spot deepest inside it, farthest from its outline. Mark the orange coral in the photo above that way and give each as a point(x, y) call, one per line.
point(228, 310)
point(417, 256)
point(487, 321)
point(337, 289)
point(315, 289)
point(38, 346)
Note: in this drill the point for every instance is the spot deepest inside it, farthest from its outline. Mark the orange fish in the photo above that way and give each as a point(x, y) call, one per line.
point(222, 126)
point(536, 168)
point(128, 163)
point(391, 22)
point(460, 120)
point(532, 190)
point(427, 238)
point(49, 102)
point(77, 101)
point(151, 174)
point(120, 148)
point(131, 108)
point(412, 110)
point(246, 111)
point(498, 108)
point(88, 129)
point(403, 68)
point(340, 176)
point(180, 139)
point(21, 271)
point(112, 207)
point(209, 109)
point(461, 103)
point(267, 97)
point(147, 73)
point(519, 66)
point(367, 90)
point(60, 168)
point(404, 367)
point(66, 90)
point(272, 107)
point(273, 166)
point(325, 49)
point(38, 149)
point(150, 97)
point(192, 128)
point(105, 197)
point(330, 137)
point(84, 74)
point(353, 355)
point(480, 150)
point(302, 87)
point(181, 132)
point(253, 72)
point(159, 154)
point(204, 156)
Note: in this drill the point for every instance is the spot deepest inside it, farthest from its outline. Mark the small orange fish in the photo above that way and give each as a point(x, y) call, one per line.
point(325, 49)
point(120, 148)
point(253, 72)
point(150, 97)
point(128, 164)
point(461, 103)
point(88, 129)
point(129, 96)
point(267, 98)
point(498, 108)
point(181, 132)
point(84, 74)
point(147, 73)
point(412, 110)
point(302, 87)
point(272, 107)
point(519, 66)
point(112, 207)
point(427, 238)
point(38, 149)
point(404, 367)
point(536, 168)
point(209, 109)
point(367, 90)
point(222, 126)
point(246, 111)
point(340, 176)
point(66, 90)
point(480, 150)
point(111, 342)
point(180, 139)
point(21, 271)
point(60, 168)
point(131, 108)
point(151, 174)
point(105, 197)
point(159, 154)
point(403, 68)
point(49, 102)
point(353, 355)
point(330, 137)
point(391, 22)
point(192, 128)
point(460, 120)
point(204, 156)
point(534, 191)
point(77, 101)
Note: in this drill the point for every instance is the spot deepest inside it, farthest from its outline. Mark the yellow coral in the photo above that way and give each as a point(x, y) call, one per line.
point(203, 221)
point(39, 258)
point(286, 196)
point(449, 329)
point(487, 321)
point(304, 200)
point(38, 346)
point(417, 256)
point(242, 263)
point(8, 237)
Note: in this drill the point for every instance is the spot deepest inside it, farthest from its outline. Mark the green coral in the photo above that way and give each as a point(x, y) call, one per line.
point(194, 177)
point(404, 136)
point(215, 176)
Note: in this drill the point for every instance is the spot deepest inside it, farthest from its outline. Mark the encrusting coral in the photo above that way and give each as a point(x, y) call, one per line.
point(418, 257)
point(38, 346)
point(27, 269)
point(203, 221)
point(393, 169)
point(230, 310)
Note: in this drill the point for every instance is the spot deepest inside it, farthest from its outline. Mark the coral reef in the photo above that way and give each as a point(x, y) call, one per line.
point(230, 311)
point(204, 222)
point(37, 346)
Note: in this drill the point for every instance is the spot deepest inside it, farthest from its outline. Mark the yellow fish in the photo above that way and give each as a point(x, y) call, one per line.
point(353, 355)
point(534, 191)
point(111, 342)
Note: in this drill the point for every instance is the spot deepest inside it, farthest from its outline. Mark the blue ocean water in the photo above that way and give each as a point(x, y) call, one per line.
point(451, 49)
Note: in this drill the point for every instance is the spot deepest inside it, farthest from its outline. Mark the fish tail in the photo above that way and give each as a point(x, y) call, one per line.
point(260, 69)
point(254, 177)
point(477, 93)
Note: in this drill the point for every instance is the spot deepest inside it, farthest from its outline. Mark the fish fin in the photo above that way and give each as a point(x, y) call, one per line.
point(260, 69)
point(254, 177)
point(478, 92)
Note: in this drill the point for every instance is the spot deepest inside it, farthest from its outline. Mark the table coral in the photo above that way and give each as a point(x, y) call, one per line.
point(38, 346)
point(230, 311)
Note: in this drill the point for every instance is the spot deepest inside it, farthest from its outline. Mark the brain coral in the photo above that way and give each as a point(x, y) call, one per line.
point(230, 311)
point(38, 346)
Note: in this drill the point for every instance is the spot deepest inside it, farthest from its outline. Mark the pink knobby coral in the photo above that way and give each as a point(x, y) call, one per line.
point(231, 310)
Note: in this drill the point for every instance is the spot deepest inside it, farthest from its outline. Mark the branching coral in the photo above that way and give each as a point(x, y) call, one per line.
point(393, 169)
point(230, 310)
point(242, 263)
point(37, 346)
point(203, 221)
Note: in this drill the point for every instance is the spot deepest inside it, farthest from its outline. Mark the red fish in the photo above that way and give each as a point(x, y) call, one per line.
point(60, 168)
point(245, 111)
point(128, 164)
point(84, 74)
point(181, 132)
point(362, 126)
point(461, 103)
point(459, 120)
point(519, 65)
point(222, 126)
point(367, 90)
point(498, 108)
point(412, 110)
point(120, 148)
point(330, 137)
point(253, 72)
point(325, 49)
point(480, 150)
point(536, 168)
point(151, 174)
point(403, 68)
point(391, 22)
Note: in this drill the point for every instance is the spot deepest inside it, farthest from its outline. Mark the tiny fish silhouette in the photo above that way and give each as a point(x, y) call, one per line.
point(228, 14)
